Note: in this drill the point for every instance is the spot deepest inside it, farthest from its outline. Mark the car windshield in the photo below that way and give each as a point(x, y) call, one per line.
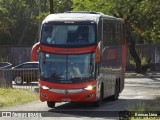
point(67, 68)
point(68, 34)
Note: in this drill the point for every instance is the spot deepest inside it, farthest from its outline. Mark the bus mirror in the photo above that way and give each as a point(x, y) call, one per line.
point(35, 48)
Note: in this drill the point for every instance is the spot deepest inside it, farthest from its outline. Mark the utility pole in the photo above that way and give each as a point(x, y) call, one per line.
point(40, 21)
point(51, 7)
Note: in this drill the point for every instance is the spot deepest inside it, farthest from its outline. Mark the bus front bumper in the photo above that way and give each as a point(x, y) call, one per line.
point(68, 95)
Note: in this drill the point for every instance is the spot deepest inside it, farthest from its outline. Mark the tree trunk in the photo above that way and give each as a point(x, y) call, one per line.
point(20, 42)
point(138, 67)
point(51, 7)
point(131, 43)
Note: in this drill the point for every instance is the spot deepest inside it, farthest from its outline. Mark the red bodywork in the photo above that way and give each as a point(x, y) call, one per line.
point(59, 97)
point(67, 50)
point(35, 48)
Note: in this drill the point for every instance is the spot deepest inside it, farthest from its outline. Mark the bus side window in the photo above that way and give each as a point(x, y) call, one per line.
point(109, 34)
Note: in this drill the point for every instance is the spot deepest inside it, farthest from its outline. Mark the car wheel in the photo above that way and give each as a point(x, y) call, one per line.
point(18, 80)
point(51, 104)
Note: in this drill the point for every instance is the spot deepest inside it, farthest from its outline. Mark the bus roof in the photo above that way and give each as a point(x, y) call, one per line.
point(76, 16)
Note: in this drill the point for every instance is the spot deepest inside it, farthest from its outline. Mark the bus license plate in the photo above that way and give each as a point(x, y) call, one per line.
point(66, 99)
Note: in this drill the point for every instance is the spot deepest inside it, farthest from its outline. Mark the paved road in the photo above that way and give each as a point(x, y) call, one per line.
point(137, 90)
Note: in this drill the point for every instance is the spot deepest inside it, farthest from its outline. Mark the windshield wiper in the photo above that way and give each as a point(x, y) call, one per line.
point(79, 78)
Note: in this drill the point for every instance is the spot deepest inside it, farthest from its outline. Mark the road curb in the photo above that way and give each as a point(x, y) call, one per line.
point(147, 76)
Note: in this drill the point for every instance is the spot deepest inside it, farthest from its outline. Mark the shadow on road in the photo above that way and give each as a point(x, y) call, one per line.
point(107, 109)
point(155, 79)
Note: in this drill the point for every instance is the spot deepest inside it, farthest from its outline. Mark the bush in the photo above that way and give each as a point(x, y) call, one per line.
point(145, 63)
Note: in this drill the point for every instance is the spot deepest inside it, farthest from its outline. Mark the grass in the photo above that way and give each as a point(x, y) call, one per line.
point(152, 106)
point(11, 96)
point(148, 74)
point(133, 75)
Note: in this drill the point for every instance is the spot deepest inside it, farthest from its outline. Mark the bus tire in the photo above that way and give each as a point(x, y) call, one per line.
point(99, 101)
point(116, 92)
point(50, 104)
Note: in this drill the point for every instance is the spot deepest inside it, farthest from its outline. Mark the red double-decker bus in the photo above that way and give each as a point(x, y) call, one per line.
point(82, 57)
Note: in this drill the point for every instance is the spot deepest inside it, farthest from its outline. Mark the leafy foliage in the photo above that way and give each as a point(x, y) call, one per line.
point(145, 63)
point(142, 16)
point(20, 19)
point(16, 14)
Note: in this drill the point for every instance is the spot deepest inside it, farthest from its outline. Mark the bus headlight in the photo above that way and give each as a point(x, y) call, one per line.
point(90, 87)
point(44, 87)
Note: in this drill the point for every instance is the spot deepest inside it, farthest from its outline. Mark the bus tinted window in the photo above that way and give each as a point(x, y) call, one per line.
point(109, 33)
point(68, 34)
point(58, 68)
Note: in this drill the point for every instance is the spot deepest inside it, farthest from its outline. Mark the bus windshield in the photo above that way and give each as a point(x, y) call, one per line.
point(67, 68)
point(68, 34)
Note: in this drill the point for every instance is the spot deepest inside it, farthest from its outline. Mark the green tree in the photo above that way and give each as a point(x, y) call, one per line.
point(20, 19)
point(62, 5)
point(141, 24)
point(16, 20)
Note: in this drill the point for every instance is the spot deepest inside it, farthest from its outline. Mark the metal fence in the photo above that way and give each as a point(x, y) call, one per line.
point(147, 51)
point(15, 54)
point(5, 78)
point(19, 78)
point(19, 54)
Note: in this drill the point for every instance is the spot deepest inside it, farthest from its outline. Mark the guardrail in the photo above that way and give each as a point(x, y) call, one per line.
point(19, 78)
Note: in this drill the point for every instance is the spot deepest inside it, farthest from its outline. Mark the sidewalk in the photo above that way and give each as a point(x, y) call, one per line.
point(146, 75)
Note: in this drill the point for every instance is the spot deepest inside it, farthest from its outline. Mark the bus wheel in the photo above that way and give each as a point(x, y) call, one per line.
point(99, 101)
point(116, 92)
point(51, 104)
